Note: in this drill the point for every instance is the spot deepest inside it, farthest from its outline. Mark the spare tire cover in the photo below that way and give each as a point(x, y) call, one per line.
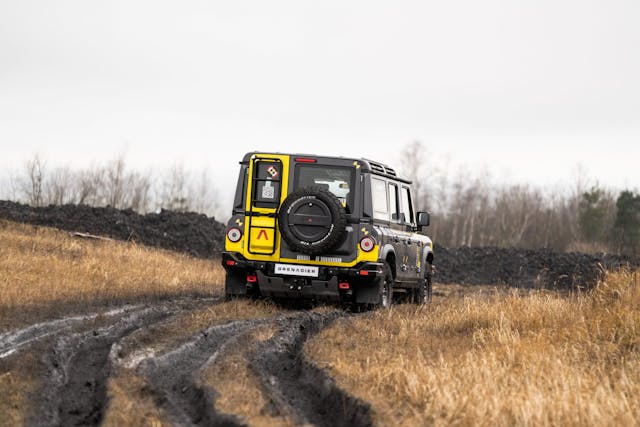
point(312, 221)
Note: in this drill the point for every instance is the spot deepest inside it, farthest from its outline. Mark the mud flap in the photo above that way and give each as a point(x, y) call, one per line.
point(235, 284)
point(368, 293)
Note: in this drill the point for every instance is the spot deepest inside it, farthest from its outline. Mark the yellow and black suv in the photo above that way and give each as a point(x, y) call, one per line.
point(325, 228)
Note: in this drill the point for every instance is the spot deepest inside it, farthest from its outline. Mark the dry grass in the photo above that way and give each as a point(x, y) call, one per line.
point(240, 391)
point(538, 359)
point(17, 381)
point(43, 270)
point(131, 403)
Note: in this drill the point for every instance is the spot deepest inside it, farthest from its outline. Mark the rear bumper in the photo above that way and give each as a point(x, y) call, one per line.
point(325, 286)
point(285, 287)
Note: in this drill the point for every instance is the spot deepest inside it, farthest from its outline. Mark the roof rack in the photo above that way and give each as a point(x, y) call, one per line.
point(384, 170)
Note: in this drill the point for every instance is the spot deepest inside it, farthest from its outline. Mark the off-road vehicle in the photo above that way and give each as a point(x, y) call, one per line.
point(332, 228)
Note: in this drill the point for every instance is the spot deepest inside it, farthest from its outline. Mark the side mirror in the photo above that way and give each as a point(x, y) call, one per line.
point(424, 219)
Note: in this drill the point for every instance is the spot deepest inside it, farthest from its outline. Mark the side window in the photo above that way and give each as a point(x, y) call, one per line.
point(379, 195)
point(407, 209)
point(394, 202)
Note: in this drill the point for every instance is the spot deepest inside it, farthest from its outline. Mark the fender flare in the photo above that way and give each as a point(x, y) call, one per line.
point(385, 250)
point(425, 256)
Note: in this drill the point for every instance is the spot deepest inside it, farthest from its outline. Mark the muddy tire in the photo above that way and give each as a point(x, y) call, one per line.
point(424, 292)
point(385, 288)
point(384, 282)
point(312, 221)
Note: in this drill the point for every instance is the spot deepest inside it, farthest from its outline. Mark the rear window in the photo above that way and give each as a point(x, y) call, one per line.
point(338, 180)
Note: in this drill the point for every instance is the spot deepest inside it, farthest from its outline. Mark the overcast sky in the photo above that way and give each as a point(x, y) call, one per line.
point(526, 89)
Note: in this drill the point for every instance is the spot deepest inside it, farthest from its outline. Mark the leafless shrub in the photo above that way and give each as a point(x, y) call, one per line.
point(112, 183)
point(33, 181)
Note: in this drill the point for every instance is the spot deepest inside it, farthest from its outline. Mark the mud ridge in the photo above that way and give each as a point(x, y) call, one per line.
point(299, 387)
point(11, 342)
point(173, 376)
point(74, 391)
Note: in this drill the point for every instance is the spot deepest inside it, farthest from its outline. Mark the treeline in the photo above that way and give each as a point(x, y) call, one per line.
point(112, 183)
point(470, 209)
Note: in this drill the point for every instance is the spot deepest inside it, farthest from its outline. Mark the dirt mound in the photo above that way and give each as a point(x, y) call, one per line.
point(524, 267)
point(189, 232)
point(203, 237)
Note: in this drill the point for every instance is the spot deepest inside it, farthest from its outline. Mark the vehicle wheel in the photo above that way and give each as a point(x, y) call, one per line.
point(312, 221)
point(424, 291)
point(385, 283)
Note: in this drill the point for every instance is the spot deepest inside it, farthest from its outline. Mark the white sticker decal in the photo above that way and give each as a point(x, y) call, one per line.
point(268, 192)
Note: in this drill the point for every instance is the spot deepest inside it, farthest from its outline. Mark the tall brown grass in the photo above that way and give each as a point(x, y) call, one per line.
point(43, 269)
point(538, 359)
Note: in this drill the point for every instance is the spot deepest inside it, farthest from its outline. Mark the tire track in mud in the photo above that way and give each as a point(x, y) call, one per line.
point(74, 391)
point(11, 342)
point(78, 366)
point(174, 375)
point(299, 387)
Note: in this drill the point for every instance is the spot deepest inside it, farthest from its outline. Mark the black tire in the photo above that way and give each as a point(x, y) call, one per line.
point(385, 286)
point(312, 221)
point(424, 292)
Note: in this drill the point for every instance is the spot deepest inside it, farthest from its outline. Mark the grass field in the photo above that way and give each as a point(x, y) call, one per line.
point(475, 356)
point(44, 272)
point(537, 359)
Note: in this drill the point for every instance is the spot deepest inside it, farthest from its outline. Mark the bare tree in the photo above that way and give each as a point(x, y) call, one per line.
point(59, 189)
point(203, 194)
point(175, 189)
point(90, 186)
point(139, 189)
point(114, 185)
point(32, 185)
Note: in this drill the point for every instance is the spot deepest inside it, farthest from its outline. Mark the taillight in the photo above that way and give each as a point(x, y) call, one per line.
point(367, 243)
point(234, 234)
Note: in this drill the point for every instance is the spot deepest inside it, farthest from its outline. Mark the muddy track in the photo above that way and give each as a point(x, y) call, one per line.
point(12, 342)
point(174, 376)
point(74, 390)
point(81, 353)
point(298, 387)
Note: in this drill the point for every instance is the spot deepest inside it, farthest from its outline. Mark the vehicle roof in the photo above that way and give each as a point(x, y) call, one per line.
point(367, 165)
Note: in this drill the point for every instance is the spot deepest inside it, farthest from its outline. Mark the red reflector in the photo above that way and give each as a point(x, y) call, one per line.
point(343, 285)
point(252, 278)
point(305, 160)
point(364, 273)
point(231, 262)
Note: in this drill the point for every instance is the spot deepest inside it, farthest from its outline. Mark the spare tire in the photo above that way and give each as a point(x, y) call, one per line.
point(312, 221)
